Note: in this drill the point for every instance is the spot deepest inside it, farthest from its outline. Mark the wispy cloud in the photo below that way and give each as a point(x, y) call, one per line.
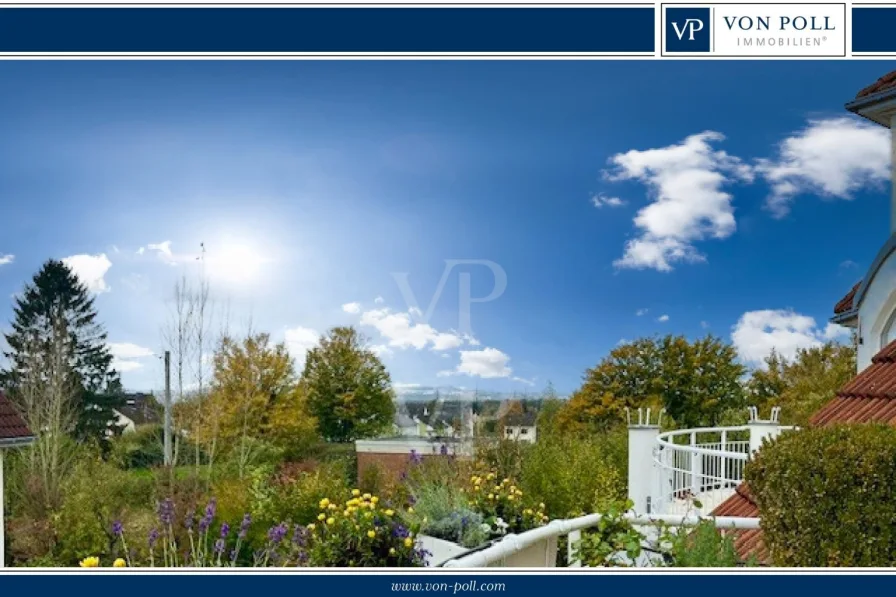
point(486, 363)
point(6, 259)
point(601, 200)
point(757, 333)
point(91, 270)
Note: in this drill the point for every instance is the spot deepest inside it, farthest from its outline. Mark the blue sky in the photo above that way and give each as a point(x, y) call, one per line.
point(620, 198)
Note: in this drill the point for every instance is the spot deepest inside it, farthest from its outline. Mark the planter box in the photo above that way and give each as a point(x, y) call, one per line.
point(440, 549)
point(539, 555)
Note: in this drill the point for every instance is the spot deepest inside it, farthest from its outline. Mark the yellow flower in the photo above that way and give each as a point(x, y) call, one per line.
point(331, 506)
point(490, 476)
point(119, 563)
point(374, 500)
point(366, 496)
point(331, 520)
point(408, 542)
point(389, 512)
point(356, 492)
point(324, 503)
point(510, 497)
point(491, 496)
point(345, 512)
point(91, 562)
point(321, 516)
point(371, 534)
point(391, 551)
point(410, 510)
point(541, 506)
point(527, 511)
point(505, 481)
point(311, 527)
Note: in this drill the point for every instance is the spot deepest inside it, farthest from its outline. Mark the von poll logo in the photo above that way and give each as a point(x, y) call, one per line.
point(687, 29)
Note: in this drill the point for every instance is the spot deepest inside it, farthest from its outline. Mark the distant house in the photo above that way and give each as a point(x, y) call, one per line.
point(138, 410)
point(520, 427)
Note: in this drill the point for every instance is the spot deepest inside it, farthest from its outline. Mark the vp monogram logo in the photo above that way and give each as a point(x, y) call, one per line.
point(690, 27)
point(687, 29)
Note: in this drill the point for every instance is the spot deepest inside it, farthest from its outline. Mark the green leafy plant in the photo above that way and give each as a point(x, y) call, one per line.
point(444, 512)
point(825, 496)
point(613, 542)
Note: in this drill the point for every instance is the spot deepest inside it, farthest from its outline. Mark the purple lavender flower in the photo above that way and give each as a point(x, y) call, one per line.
point(244, 526)
point(188, 521)
point(443, 450)
point(209, 515)
point(415, 457)
point(219, 547)
point(225, 530)
point(400, 531)
point(117, 528)
point(166, 511)
point(300, 536)
point(277, 533)
point(153, 537)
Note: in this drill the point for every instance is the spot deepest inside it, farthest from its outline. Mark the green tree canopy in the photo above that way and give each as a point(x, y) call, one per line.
point(54, 313)
point(348, 388)
point(695, 381)
point(802, 386)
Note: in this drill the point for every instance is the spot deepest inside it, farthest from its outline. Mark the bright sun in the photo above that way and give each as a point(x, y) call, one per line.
point(234, 263)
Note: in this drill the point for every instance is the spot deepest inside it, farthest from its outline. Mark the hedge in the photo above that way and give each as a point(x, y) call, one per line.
point(827, 496)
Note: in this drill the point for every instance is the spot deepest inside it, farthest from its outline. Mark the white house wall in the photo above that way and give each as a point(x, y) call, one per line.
point(878, 304)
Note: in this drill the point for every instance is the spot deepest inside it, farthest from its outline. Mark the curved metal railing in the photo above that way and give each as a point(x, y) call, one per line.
point(698, 469)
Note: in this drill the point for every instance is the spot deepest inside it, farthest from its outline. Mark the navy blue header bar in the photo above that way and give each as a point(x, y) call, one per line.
point(874, 30)
point(414, 30)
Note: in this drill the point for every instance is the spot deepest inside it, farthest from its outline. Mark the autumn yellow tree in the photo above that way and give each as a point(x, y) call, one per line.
point(256, 398)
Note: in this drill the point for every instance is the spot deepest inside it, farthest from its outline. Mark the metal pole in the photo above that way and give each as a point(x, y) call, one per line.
point(167, 408)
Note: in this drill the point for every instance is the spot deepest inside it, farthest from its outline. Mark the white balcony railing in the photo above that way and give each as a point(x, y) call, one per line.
point(698, 469)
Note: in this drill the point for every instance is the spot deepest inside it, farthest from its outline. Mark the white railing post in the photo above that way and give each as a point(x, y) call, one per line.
point(696, 468)
point(761, 429)
point(641, 470)
point(723, 460)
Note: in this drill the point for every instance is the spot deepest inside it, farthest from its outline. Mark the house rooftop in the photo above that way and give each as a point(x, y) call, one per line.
point(13, 429)
point(846, 303)
point(748, 543)
point(886, 82)
point(520, 420)
point(869, 398)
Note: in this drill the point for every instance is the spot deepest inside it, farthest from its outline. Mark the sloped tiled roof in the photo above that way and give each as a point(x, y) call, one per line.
point(869, 398)
point(12, 426)
point(845, 304)
point(747, 543)
point(888, 81)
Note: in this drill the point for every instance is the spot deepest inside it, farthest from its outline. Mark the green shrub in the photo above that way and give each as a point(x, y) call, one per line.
point(98, 494)
point(444, 511)
point(827, 496)
point(575, 475)
point(701, 547)
point(141, 449)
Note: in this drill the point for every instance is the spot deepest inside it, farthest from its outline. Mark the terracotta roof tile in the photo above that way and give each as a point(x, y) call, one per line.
point(12, 426)
point(845, 304)
point(888, 81)
point(869, 398)
point(747, 543)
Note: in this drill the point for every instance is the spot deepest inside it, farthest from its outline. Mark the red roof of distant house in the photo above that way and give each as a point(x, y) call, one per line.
point(747, 543)
point(845, 304)
point(12, 426)
point(888, 81)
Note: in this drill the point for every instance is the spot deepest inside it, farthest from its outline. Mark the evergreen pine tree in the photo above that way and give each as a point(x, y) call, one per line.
point(57, 303)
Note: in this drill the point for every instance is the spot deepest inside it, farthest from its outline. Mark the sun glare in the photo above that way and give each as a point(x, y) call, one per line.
point(234, 263)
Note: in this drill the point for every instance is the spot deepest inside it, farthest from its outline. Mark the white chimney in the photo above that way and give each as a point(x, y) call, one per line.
point(641, 446)
point(761, 429)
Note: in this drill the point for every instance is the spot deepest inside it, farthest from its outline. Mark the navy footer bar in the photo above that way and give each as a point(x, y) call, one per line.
point(416, 30)
point(462, 583)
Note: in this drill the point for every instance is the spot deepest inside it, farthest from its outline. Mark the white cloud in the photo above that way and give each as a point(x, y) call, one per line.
point(523, 380)
point(641, 312)
point(486, 363)
point(299, 340)
point(91, 270)
point(663, 318)
point(601, 200)
point(7, 259)
point(379, 300)
point(381, 350)
point(688, 203)
point(833, 157)
point(141, 250)
point(352, 307)
point(125, 366)
point(128, 350)
point(758, 332)
point(704, 324)
point(400, 331)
